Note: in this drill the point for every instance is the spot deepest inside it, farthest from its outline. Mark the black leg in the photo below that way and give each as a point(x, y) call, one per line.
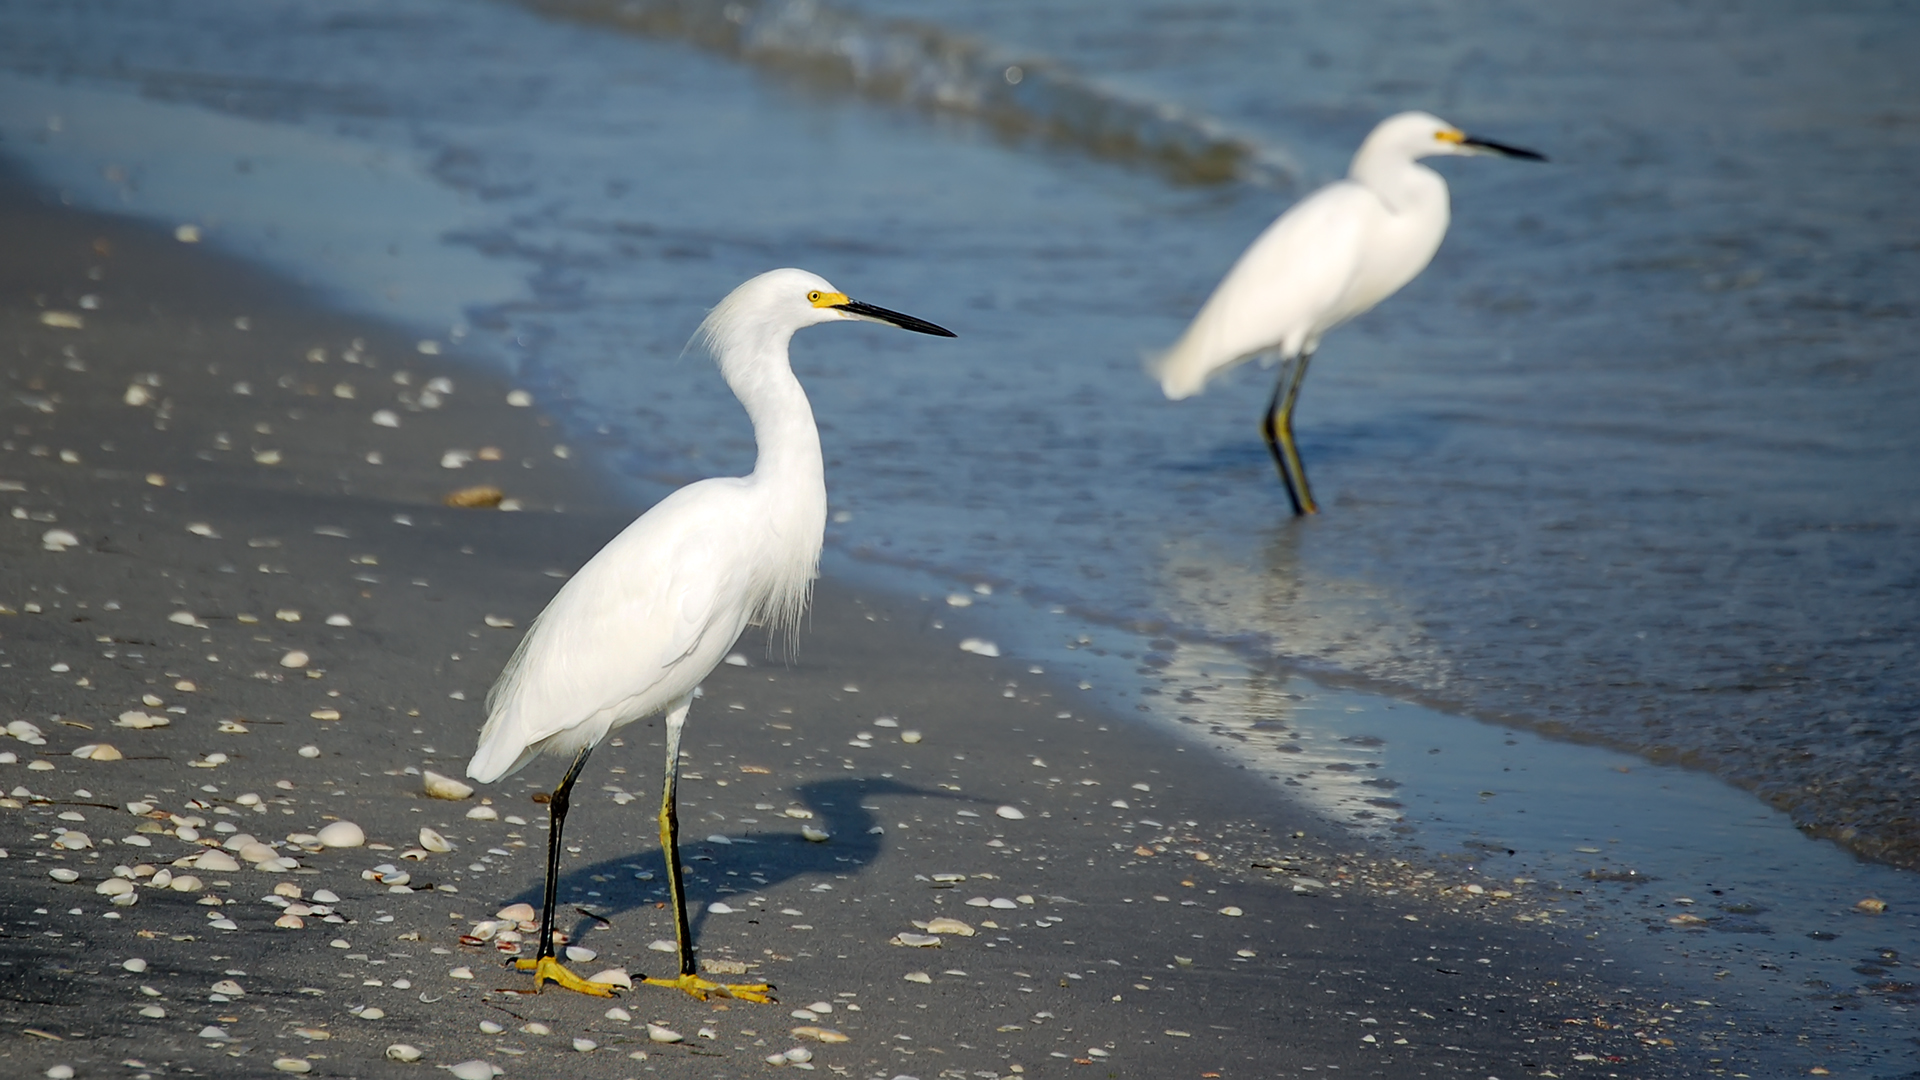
point(556, 821)
point(1279, 432)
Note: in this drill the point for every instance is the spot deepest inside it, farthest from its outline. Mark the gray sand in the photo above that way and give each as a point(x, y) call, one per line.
point(1169, 915)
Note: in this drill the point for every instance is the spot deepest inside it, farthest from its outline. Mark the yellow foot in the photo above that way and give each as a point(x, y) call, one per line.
point(547, 969)
point(701, 988)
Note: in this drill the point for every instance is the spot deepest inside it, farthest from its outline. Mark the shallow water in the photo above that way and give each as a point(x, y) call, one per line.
point(1633, 461)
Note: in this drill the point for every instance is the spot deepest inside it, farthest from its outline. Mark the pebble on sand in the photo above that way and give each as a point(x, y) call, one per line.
point(443, 787)
point(342, 834)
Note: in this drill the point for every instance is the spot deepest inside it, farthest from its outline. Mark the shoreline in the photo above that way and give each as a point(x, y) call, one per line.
point(1157, 985)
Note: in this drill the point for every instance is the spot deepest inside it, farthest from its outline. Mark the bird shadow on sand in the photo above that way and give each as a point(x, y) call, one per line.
point(736, 863)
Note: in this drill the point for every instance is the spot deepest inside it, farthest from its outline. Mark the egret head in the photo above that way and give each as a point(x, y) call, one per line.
point(779, 302)
point(1417, 135)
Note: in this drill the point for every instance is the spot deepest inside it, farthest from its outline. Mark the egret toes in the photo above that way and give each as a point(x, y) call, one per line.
point(760, 993)
point(549, 970)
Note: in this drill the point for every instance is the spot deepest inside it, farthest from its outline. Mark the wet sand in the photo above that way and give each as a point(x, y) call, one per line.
point(1141, 909)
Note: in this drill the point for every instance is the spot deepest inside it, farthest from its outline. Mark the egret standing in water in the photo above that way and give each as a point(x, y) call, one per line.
point(1332, 256)
point(642, 623)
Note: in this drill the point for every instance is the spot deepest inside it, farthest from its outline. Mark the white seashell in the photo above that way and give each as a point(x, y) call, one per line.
point(580, 954)
point(98, 752)
point(290, 922)
point(139, 720)
point(184, 883)
point(910, 736)
point(213, 1034)
point(1232, 911)
point(474, 1070)
point(309, 751)
point(663, 1034)
point(979, 647)
point(798, 1054)
point(386, 418)
point(918, 977)
point(443, 787)
point(584, 1045)
point(916, 941)
point(73, 841)
point(483, 813)
point(1002, 903)
point(294, 659)
point(461, 972)
point(403, 1052)
point(949, 926)
point(229, 988)
point(325, 896)
point(615, 977)
point(342, 834)
point(58, 540)
point(154, 1012)
point(433, 841)
point(1011, 813)
point(517, 913)
point(257, 852)
point(519, 399)
point(373, 1012)
point(293, 1065)
point(135, 965)
point(64, 875)
point(216, 862)
point(818, 836)
point(114, 886)
point(719, 908)
point(339, 620)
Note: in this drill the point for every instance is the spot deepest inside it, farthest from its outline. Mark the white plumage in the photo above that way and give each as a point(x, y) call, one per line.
point(1331, 257)
point(636, 629)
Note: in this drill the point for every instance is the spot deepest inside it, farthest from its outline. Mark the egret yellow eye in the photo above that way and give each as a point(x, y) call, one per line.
point(813, 297)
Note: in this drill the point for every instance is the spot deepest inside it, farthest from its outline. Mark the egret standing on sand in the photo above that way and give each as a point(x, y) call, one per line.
point(642, 623)
point(1333, 256)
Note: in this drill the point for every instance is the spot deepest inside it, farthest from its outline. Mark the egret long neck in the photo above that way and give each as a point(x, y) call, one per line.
point(1404, 186)
point(783, 428)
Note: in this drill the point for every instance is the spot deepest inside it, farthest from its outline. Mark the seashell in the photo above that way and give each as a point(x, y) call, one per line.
point(339, 620)
point(915, 941)
point(98, 752)
point(403, 1052)
point(215, 862)
point(373, 1012)
point(483, 813)
point(443, 787)
point(1011, 813)
point(819, 1034)
point(386, 418)
point(433, 841)
point(228, 987)
point(478, 497)
point(325, 714)
point(918, 977)
point(461, 972)
point(293, 1065)
point(73, 841)
point(818, 836)
point(949, 926)
point(1871, 905)
point(474, 1070)
point(798, 1055)
point(614, 977)
point(342, 834)
point(290, 922)
point(58, 540)
point(517, 913)
point(64, 875)
point(1232, 911)
point(140, 720)
point(135, 965)
point(660, 1034)
point(184, 883)
point(256, 852)
point(294, 658)
point(979, 647)
point(910, 737)
point(499, 622)
point(309, 751)
point(114, 886)
point(584, 1045)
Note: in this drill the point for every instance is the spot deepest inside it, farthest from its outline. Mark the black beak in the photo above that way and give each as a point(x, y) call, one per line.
point(1502, 149)
point(893, 318)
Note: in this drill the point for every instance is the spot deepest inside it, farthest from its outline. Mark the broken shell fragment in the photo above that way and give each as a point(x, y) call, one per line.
point(443, 787)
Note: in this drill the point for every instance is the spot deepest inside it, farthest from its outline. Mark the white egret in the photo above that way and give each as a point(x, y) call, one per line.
point(1331, 257)
point(635, 631)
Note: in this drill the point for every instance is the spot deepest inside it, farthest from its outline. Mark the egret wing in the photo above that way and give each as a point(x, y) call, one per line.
point(1282, 294)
